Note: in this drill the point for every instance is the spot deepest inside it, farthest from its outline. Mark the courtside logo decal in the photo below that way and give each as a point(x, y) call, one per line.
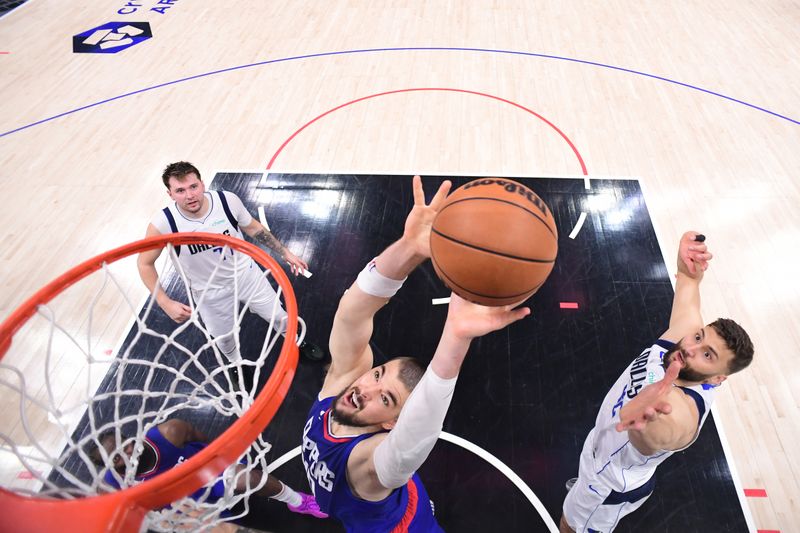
point(111, 37)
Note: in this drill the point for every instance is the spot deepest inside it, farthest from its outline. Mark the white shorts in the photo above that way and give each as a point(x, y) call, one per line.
point(218, 309)
point(592, 506)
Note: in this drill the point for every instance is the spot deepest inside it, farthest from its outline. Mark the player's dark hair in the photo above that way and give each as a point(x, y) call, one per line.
point(93, 451)
point(410, 372)
point(737, 339)
point(178, 171)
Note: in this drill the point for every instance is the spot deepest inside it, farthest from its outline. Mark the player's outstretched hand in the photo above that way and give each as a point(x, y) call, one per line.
point(693, 254)
point(176, 311)
point(468, 320)
point(649, 403)
point(297, 265)
point(419, 221)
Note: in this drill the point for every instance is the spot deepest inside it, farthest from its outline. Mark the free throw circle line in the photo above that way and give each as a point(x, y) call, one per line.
point(469, 446)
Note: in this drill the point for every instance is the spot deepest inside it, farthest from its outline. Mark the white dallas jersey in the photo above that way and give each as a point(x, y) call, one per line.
point(226, 214)
point(616, 460)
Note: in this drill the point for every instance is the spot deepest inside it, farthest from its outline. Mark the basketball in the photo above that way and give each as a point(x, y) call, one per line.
point(494, 242)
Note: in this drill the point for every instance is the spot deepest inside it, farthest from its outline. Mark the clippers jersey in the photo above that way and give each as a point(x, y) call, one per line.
point(167, 456)
point(407, 509)
point(616, 460)
point(225, 215)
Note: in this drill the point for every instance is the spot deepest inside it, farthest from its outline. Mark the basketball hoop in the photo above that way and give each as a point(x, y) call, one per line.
point(125, 510)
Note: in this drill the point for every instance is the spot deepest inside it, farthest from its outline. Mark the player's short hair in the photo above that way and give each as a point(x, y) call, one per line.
point(410, 372)
point(93, 451)
point(737, 339)
point(178, 171)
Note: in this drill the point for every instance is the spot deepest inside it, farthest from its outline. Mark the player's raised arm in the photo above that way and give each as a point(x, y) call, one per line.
point(661, 417)
point(375, 285)
point(693, 258)
point(146, 263)
point(380, 465)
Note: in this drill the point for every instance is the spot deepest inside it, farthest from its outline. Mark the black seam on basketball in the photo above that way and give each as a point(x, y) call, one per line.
point(493, 252)
point(450, 280)
point(504, 202)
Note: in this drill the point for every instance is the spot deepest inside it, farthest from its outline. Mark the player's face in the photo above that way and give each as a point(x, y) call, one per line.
point(374, 399)
point(188, 193)
point(703, 355)
point(110, 444)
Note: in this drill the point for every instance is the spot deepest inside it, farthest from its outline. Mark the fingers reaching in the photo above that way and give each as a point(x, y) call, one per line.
point(441, 194)
point(438, 198)
point(650, 414)
point(664, 408)
point(512, 316)
point(419, 194)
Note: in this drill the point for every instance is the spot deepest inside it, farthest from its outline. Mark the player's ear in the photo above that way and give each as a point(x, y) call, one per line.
point(388, 426)
point(717, 380)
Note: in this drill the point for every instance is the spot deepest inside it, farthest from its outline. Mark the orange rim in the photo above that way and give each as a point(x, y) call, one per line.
point(124, 510)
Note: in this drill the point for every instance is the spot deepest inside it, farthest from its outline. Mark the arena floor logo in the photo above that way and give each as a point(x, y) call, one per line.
point(111, 37)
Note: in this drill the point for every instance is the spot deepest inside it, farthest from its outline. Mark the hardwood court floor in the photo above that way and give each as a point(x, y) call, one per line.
point(698, 100)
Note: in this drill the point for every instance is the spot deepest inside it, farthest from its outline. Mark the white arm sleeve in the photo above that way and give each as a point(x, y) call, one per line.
point(411, 440)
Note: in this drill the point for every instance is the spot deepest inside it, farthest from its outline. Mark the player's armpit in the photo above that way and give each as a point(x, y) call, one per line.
point(361, 474)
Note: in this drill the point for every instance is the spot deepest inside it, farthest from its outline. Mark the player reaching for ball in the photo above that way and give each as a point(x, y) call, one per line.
point(658, 405)
point(371, 428)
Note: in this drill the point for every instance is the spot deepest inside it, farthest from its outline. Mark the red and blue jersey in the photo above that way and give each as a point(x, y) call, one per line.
point(325, 455)
point(167, 456)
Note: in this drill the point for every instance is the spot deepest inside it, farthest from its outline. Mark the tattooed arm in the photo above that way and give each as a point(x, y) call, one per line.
point(263, 236)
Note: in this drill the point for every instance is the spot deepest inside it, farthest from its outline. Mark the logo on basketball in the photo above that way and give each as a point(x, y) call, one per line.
point(111, 37)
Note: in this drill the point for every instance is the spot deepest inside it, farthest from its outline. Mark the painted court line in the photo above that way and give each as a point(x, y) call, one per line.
point(477, 450)
point(578, 225)
point(510, 474)
point(397, 49)
point(755, 493)
point(262, 217)
point(427, 89)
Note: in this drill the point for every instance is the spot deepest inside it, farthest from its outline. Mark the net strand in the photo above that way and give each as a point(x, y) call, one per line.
point(199, 377)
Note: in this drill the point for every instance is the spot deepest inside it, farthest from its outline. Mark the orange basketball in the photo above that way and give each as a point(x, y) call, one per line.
point(494, 242)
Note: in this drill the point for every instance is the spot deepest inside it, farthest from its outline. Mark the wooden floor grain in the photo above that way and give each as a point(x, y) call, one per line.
point(699, 100)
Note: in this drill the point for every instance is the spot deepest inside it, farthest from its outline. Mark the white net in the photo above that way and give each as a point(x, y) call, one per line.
point(92, 374)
